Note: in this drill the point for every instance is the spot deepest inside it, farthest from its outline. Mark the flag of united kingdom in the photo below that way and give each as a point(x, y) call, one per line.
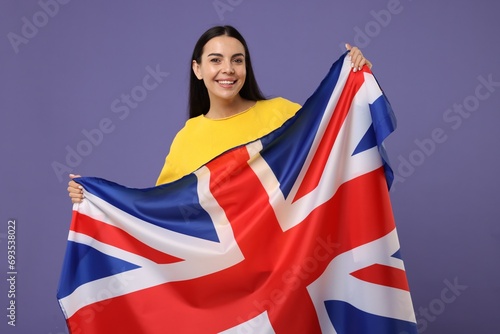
point(292, 233)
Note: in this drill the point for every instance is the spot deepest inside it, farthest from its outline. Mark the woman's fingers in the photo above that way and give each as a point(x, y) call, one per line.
point(75, 190)
point(357, 58)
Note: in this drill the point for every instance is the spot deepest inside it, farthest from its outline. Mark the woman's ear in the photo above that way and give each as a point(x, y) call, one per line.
point(196, 70)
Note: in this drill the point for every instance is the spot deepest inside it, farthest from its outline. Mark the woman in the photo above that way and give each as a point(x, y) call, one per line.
point(226, 106)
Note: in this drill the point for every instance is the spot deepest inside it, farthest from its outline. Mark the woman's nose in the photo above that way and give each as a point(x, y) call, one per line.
point(228, 67)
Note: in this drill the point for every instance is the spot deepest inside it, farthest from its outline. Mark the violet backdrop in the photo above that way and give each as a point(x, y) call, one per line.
point(100, 88)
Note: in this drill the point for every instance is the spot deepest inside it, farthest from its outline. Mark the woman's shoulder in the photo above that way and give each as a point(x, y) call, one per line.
point(280, 101)
point(271, 111)
point(190, 126)
point(279, 105)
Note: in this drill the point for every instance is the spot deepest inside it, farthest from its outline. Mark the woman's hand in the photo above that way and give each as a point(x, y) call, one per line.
point(75, 190)
point(357, 58)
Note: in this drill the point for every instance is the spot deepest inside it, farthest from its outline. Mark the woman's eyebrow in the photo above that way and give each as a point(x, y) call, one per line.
point(220, 55)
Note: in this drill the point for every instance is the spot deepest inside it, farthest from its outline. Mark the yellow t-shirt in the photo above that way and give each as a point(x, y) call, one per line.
point(202, 139)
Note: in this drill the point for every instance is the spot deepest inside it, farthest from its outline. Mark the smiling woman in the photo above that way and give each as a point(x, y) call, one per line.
point(227, 108)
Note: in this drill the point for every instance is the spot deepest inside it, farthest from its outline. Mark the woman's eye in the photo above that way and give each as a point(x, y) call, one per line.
point(238, 60)
point(215, 60)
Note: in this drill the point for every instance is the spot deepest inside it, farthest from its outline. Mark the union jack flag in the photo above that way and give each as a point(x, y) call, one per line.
point(292, 233)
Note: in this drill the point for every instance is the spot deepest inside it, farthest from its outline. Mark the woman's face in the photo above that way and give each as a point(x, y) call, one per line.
point(222, 67)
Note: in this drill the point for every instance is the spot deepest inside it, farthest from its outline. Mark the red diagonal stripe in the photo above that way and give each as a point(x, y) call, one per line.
point(311, 179)
point(383, 275)
point(118, 238)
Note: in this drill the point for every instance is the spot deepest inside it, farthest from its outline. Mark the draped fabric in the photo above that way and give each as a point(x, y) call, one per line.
point(291, 233)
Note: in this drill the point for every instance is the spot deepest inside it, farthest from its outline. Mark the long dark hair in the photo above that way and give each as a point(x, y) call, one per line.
point(199, 102)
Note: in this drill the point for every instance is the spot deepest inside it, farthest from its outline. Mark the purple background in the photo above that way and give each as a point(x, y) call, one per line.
point(429, 57)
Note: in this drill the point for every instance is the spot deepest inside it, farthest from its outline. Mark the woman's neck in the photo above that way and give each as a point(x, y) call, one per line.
point(224, 108)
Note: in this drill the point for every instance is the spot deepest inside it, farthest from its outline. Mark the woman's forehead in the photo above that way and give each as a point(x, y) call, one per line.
point(224, 45)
